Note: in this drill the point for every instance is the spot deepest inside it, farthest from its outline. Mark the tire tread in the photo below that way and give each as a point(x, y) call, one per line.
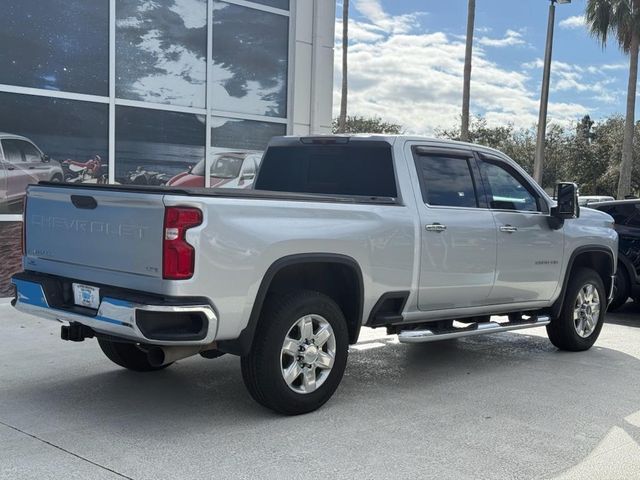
point(561, 330)
point(256, 373)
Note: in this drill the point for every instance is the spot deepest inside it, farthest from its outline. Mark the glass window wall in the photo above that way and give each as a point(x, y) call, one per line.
point(55, 45)
point(161, 51)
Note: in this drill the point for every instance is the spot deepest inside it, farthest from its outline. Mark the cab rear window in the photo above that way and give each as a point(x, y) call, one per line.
point(353, 169)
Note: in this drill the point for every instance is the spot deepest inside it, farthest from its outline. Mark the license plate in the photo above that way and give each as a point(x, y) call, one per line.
point(86, 295)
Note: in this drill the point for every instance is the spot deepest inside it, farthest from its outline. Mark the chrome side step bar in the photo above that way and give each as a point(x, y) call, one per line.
point(426, 335)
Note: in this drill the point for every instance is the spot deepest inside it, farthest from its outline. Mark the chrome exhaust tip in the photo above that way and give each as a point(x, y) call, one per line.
point(159, 356)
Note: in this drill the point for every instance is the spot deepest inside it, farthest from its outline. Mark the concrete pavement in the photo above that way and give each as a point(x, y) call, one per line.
point(502, 406)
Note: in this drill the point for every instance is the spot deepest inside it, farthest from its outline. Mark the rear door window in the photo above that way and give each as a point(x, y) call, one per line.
point(446, 181)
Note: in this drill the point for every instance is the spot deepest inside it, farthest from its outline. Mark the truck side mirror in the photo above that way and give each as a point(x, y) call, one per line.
point(567, 204)
point(45, 158)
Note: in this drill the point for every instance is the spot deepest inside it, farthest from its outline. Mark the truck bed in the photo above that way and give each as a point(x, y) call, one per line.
point(119, 243)
point(228, 193)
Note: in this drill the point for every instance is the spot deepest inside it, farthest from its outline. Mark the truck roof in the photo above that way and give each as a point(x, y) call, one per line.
point(391, 139)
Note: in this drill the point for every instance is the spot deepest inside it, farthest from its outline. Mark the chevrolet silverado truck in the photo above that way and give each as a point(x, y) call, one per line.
point(429, 239)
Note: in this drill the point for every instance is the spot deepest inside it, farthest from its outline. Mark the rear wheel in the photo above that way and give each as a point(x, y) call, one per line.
point(620, 289)
point(128, 355)
point(299, 353)
point(580, 321)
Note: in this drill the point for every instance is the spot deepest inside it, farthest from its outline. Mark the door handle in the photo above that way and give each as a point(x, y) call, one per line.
point(435, 227)
point(508, 229)
point(11, 168)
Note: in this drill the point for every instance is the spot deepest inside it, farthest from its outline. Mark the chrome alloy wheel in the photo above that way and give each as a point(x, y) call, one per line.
point(308, 353)
point(586, 310)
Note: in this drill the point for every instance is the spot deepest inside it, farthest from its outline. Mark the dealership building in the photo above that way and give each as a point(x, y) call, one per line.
point(139, 91)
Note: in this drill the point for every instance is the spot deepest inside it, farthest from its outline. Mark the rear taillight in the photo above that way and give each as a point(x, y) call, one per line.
point(178, 256)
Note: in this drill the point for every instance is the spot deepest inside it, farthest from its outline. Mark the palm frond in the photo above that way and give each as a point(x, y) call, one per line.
point(613, 18)
point(599, 14)
point(622, 23)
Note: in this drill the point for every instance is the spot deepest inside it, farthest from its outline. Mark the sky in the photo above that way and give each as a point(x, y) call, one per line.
point(406, 60)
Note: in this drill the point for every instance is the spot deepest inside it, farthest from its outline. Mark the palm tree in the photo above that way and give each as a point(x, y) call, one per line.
point(342, 119)
point(621, 19)
point(466, 87)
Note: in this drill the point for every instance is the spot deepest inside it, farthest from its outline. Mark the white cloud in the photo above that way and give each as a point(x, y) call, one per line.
point(572, 23)
point(614, 66)
point(192, 12)
point(378, 19)
point(511, 38)
point(568, 77)
point(130, 22)
point(415, 78)
point(256, 100)
point(179, 75)
point(359, 31)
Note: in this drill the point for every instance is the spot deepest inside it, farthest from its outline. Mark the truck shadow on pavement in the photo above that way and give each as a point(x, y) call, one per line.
point(627, 315)
point(509, 399)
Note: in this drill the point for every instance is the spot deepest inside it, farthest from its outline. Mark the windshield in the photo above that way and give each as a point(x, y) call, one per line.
point(198, 169)
point(226, 167)
point(222, 167)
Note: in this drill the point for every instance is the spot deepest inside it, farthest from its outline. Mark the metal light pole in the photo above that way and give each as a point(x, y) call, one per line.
point(544, 97)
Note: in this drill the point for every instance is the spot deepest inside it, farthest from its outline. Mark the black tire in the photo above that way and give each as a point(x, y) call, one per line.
point(57, 178)
point(562, 330)
point(262, 367)
point(621, 289)
point(128, 355)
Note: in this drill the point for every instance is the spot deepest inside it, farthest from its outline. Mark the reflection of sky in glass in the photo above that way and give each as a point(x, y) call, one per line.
point(63, 129)
point(249, 60)
point(55, 45)
point(243, 134)
point(283, 4)
point(161, 51)
point(166, 142)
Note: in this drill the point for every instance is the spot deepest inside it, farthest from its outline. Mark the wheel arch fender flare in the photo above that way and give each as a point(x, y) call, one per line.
point(556, 308)
point(242, 345)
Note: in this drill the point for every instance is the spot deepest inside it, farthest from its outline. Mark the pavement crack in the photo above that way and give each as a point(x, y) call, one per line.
point(35, 437)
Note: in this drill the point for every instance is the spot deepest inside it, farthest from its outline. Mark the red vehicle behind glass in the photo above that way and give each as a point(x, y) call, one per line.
point(228, 170)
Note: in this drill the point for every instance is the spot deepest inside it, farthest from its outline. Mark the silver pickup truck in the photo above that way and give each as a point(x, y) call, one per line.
point(426, 238)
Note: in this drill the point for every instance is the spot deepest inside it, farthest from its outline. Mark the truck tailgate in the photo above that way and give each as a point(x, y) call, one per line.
point(102, 229)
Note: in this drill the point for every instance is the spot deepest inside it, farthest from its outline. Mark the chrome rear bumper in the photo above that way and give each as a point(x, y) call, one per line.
point(115, 317)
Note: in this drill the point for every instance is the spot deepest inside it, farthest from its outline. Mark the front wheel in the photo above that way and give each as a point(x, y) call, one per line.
point(299, 353)
point(580, 321)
